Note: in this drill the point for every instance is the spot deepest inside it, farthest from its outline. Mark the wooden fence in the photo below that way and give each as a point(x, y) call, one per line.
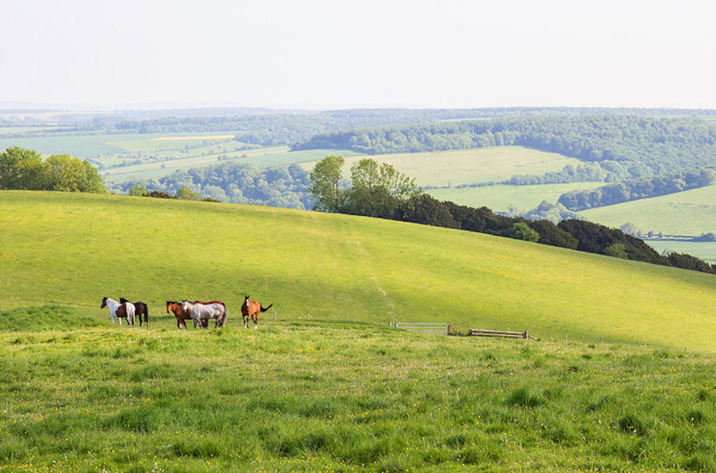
point(431, 328)
point(477, 332)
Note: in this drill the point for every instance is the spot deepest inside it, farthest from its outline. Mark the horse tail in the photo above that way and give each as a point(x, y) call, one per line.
point(226, 313)
point(264, 309)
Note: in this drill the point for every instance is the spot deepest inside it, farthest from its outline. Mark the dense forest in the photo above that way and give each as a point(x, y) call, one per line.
point(236, 183)
point(623, 146)
point(637, 189)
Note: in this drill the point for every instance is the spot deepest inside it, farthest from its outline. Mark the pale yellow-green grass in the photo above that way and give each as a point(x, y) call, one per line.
point(500, 198)
point(73, 249)
point(468, 166)
point(691, 212)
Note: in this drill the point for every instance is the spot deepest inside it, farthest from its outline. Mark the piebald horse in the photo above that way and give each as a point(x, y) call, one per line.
point(200, 311)
point(175, 308)
point(252, 309)
point(120, 310)
point(140, 308)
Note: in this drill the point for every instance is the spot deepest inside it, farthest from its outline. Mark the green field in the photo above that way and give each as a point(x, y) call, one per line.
point(706, 250)
point(691, 212)
point(621, 380)
point(469, 166)
point(73, 249)
point(262, 157)
point(340, 397)
point(500, 198)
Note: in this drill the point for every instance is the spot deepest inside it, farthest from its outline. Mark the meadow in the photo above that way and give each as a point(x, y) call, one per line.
point(340, 397)
point(706, 250)
point(691, 212)
point(501, 197)
point(73, 249)
point(468, 166)
point(621, 380)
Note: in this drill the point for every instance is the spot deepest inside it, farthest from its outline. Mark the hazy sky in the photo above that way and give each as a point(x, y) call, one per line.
point(339, 54)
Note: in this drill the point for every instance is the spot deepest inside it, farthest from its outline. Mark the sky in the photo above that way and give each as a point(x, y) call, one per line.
point(358, 54)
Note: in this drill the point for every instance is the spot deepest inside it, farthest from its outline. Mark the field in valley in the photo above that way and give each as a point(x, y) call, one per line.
point(691, 212)
point(629, 389)
point(468, 166)
point(501, 198)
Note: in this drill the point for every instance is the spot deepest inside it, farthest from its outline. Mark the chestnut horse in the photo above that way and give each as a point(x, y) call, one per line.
point(182, 316)
point(121, 311)
point(140, 308)
point(252, 309)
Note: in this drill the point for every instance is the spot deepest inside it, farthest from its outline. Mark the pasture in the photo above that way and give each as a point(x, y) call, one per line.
point(691, 212)
point(468, 166)
point(73, 249)
point(262, 157)
point(706, 250)
point(500, 198)
point(631, 388)
point(339, 397)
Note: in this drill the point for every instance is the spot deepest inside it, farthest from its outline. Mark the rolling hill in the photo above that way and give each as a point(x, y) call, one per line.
point(73, 249)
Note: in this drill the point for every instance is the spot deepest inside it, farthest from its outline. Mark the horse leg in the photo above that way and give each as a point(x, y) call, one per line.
point(256, 321)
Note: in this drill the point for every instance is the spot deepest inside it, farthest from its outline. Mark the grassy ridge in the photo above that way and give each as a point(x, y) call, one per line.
point(73, 249)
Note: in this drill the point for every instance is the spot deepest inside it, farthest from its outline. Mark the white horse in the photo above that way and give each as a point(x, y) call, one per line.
point(118, 310)
point(199, 312)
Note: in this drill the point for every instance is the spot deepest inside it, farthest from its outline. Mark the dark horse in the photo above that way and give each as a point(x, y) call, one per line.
point(140, 308)
point(252, 309)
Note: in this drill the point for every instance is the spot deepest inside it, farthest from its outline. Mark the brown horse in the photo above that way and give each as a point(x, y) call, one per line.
point(252, 309)
point(140, 308)
point(126, 310)
point(182, 316)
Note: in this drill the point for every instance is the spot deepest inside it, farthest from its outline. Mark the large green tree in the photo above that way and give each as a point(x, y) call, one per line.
point(21, 169)
point(68, 174)
point(325, 179)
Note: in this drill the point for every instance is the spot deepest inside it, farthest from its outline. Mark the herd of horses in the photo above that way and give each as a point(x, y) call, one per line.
point(200, 312)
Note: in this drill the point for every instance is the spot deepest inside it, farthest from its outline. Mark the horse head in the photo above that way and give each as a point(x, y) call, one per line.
point(122, 300)
point(104, 303)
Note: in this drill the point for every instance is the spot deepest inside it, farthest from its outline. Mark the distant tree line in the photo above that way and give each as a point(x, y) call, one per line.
point(397, 198)
point(238, 183)
point(24, 169)
point(637, 189)
point(624, 146)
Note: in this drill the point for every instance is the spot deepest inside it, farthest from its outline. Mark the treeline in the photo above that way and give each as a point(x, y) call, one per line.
point(624, 146)
point(637, 189)
point(236, 183)
point(380, 191)
point(24, 169)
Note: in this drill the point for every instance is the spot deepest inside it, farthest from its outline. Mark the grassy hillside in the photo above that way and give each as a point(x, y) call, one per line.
point(690, 212)
point(500, 198)
point(73, 249)
point(469, 166)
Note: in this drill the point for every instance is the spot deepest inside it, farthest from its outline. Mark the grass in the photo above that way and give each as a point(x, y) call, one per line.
point(262, 157)
point(500, 198)
point(342, 397)
point(691, 212)
point(706, 250)
point(469, 166)
point(73, 249)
